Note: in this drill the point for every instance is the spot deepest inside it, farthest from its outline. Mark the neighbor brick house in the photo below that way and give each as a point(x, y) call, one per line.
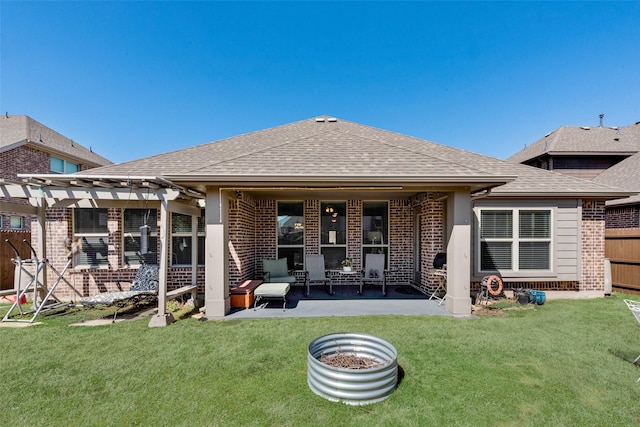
point(326, 185)
point(27, 146)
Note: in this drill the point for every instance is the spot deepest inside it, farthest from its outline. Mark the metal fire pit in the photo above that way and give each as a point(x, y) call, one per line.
point(353, 386)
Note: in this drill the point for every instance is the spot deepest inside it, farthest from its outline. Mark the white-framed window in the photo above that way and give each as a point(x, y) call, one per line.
point(290, 243)
point(132, 234)
point(375, 229)
point(91, 227)
point(16, 222)
point(333, 233)
point(181, 238)
point(517, 240)
point(58, 165)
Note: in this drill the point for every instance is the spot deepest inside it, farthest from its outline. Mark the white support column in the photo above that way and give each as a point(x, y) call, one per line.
point(458, 300)
point(217, 302)
point(163, 318)
point(41, 246)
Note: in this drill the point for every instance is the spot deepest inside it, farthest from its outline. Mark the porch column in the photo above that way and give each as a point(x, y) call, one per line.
point(216, 293)
point(458, 300)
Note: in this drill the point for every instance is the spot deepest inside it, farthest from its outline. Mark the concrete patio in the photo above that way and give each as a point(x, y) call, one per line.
point(400, 300)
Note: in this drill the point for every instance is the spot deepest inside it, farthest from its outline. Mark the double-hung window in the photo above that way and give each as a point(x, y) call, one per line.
point(291, 234)
point(181, 243)
point(515, 239)
point(91, 227)
point(333, 233)
point(133, 220)
point(375, 228)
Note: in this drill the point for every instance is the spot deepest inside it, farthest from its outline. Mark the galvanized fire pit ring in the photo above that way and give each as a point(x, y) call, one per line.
point(352, 386)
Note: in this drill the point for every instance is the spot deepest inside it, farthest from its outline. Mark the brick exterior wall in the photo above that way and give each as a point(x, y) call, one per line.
point(623, 217)
point(266, 233)
point(541, 286)
point(21, 160)
point(354, 233)
point(253, 234)
point(242, 238)
point(90, 281)
point(593, 228)
point(400, 235)
point(312, 226)
point(432, 222)
point(401, 238)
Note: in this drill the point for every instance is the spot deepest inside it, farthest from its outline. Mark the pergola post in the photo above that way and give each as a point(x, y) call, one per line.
point(41, 246)
point(162, 318)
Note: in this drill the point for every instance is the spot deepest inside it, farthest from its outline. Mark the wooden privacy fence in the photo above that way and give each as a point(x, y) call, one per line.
point(7, 268)
point(622, 248)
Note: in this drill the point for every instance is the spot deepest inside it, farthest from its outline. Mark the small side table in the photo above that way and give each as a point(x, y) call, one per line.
point(348, 278)
point(441, 278)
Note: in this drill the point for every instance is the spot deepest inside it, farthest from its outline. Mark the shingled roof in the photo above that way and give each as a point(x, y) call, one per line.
point(625, 175)
point(327, 149)
point(583, 140)
point(19, 130)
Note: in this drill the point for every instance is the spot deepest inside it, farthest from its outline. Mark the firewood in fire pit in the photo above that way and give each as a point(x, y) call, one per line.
point(344, 360)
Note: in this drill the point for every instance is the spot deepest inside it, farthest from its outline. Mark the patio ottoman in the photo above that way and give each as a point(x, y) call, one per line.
point(272, 291)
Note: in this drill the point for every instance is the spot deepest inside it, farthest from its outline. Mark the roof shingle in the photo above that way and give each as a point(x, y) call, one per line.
point(343, 150)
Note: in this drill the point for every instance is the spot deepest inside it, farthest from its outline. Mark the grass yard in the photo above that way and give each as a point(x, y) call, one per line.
point(566, 363)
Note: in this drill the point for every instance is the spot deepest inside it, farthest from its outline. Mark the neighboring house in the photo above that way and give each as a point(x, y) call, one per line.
point(326, 185)
point(608, 155)
point(27, 146)
point(624, 213)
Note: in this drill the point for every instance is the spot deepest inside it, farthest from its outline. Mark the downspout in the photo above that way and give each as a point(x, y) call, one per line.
point(486, 193)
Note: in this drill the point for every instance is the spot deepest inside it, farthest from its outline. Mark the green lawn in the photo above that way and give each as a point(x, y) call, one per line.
point(563, 363)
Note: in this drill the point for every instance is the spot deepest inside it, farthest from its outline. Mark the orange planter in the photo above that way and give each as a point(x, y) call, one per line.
point(242, 295)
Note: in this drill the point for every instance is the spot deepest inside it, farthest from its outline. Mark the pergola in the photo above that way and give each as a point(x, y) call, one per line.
point(91, 191)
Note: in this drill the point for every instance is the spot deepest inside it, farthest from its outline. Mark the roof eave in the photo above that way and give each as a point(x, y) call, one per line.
point(14, 145)
point(632, 200)
point(332, 179)
point(52, 150)
point(545, 195)
point(590, 153)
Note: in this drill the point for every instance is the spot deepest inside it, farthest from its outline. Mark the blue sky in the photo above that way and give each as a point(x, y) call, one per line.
point(133, 79)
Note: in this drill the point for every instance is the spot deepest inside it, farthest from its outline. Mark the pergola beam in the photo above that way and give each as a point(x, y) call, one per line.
point(18, 208)
point(56, 193)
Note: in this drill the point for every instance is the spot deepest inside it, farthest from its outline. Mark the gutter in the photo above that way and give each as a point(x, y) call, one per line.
point(484, 194)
